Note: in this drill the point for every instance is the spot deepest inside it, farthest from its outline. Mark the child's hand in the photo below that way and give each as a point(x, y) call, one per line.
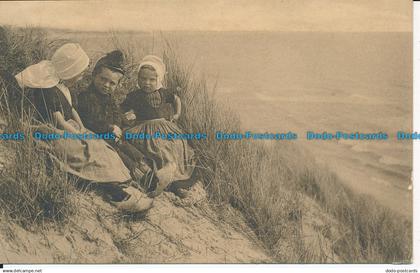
point(83, 130)
point(117, 131)
point(175, 118)
point(130, 115)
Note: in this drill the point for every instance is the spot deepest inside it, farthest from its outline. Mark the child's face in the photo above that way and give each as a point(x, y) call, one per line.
point(147, 80)
point(106, 81)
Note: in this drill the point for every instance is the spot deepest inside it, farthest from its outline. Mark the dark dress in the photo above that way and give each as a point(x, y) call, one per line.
point(174, 157)
point(50, 100)
point(99, 112)
point(148, 106)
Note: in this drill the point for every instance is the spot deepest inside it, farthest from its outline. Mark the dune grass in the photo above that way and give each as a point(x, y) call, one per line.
point(32, 189)
point(267, 183)
point(372, 232)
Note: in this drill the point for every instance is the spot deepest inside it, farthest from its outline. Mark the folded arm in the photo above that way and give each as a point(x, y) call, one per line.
point(76, 117)
point(177, 107)
point(63, 124)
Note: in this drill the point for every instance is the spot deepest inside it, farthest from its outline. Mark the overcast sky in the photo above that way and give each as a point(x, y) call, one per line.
point(274, 15)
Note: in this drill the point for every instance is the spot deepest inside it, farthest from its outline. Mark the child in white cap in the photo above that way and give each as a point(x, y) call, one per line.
point(154, 108)
point(53, 100)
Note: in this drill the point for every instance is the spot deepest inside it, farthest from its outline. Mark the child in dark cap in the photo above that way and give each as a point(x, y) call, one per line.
point(100, 112)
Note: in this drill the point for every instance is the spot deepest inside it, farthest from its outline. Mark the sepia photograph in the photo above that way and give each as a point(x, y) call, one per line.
point(206, 132)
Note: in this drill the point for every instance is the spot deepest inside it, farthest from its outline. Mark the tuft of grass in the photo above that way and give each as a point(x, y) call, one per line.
point(22, 47)
point(33, 189)
point(373, 233)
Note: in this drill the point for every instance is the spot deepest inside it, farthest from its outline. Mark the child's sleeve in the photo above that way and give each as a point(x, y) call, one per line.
point(52, 100)
point(127, 104)
point(168, 95)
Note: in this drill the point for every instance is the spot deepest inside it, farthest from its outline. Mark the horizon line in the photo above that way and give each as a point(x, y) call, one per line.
point(201, 30)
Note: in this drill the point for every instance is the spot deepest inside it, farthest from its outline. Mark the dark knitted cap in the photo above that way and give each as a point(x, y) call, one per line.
point(113, 60)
